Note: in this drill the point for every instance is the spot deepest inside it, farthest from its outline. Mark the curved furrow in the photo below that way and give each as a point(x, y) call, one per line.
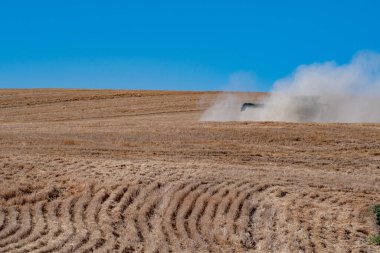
point(38, 228)
point(17, 215)
point(66, 229)
point(81, 233)
point(184, 211)
point(244, 224)
point(185, 218)
point(210, 214)
point(27, 230)
point(42, 230)
point(169, 218)
point(220, 215)
point(155, 219)
point(232, 202)
point(234, 214)
point(148, 210)
point(127, 199)
point(198, 212)
point(176, 218)
point(3, 218)
point(24, 227)
point(110, 223)
point(205, 222)
point(148, 219)
point(162, 230)
point(265, 225)
point(106, 221)
point(10, 219)
point(96, 236)
point(118, 216)
point(135, 233)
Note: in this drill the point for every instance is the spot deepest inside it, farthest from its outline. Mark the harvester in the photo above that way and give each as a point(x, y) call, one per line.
point(304, 108)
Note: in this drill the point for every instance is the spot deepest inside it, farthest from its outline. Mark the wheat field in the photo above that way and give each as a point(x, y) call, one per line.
point(135, 171)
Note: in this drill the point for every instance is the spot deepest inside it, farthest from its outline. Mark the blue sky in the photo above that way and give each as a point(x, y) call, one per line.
point(192, 45)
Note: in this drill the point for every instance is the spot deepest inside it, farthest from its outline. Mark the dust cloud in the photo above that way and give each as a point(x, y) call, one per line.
point(320, 92)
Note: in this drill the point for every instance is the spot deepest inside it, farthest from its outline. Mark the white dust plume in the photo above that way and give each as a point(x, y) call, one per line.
point(320, 92)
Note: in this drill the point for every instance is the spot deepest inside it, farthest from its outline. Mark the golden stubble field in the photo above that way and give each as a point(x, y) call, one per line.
point(135, 171)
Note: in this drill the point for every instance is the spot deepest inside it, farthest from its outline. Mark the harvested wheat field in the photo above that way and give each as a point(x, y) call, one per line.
point(135, 171)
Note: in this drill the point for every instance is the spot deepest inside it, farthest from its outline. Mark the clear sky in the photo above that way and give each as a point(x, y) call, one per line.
point(181, 45)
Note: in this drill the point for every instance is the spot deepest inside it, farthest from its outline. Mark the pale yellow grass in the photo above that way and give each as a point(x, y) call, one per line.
point(135, 171)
